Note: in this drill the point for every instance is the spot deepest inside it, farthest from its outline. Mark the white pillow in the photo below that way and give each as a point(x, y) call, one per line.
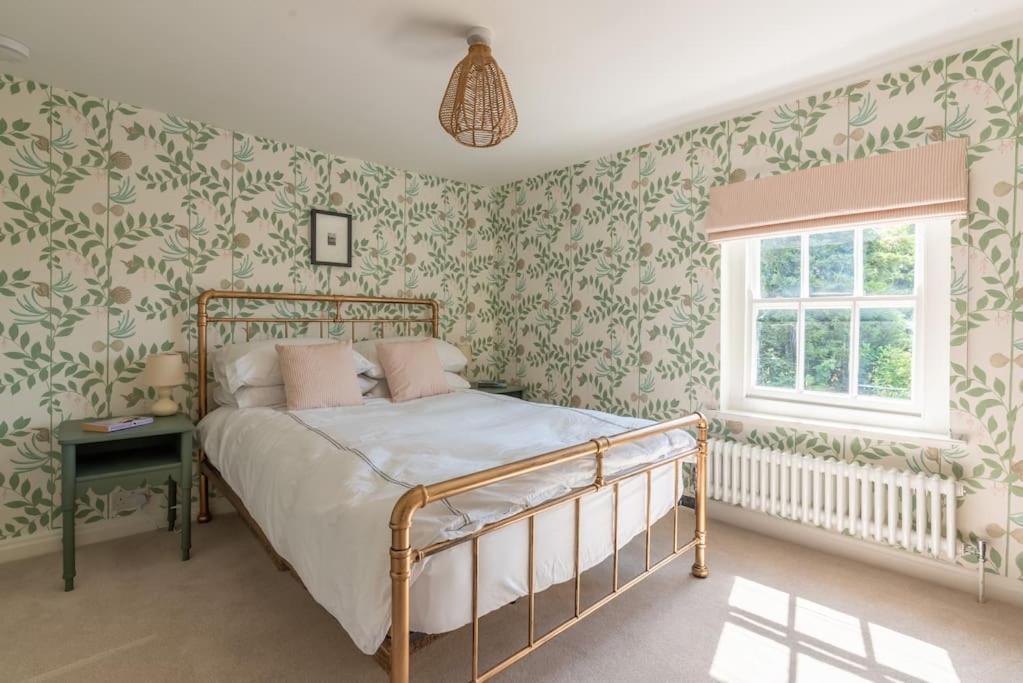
point(221, 396)
point(381, 390)
point(366, 383)
point(255, 397)
point(451, 357)
point(250, 397)
point(254, 363)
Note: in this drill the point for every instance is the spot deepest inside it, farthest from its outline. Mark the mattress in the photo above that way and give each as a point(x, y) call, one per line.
point(321, 485)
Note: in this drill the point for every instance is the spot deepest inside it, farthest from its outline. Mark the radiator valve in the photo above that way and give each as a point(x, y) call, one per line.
point(978, 551)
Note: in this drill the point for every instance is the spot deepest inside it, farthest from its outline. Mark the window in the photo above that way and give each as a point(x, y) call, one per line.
point(848, 325)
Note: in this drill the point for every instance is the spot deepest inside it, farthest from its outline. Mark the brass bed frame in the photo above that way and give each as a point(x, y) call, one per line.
point(395, 653)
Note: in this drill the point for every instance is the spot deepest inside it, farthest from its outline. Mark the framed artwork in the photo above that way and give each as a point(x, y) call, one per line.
point(330, 238)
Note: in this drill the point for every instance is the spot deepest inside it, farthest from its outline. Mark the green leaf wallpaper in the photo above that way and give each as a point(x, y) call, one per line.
point(113, 218)
point(592, 284)
point(614, 292)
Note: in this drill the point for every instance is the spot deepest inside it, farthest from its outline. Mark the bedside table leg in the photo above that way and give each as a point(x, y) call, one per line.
point(204, 499)
point(186, 495)
point(172, 503)
point(67, 505)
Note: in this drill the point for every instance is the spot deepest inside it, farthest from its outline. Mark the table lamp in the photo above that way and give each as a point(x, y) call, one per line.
point(163, 371)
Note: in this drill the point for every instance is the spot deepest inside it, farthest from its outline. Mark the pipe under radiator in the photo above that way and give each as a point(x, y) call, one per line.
point(913, 511)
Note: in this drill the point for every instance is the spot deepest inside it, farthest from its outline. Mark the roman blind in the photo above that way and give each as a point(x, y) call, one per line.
point(924, 182)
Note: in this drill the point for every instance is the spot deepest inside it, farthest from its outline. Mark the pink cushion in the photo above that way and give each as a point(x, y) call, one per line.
point(413, 369)
point(319, 376)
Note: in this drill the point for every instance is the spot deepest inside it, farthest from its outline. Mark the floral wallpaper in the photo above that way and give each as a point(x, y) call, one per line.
point(591, 284)
point(113, 218)
point(614, 291)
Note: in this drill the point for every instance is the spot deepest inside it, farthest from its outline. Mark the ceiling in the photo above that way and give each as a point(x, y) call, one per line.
point(364, 78)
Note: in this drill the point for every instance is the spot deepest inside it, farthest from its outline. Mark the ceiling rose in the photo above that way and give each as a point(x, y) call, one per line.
point(477, 109)
point(12, 50)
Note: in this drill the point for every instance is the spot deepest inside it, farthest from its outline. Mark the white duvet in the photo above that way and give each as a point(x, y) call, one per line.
point(322, 483)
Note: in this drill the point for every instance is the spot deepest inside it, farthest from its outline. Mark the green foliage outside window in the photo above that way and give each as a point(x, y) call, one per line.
point(886, 352)
point(779, 267)
point(827, 349)
point(831, 263)
point(776, 352)
point(885, 366)
point(889, 260)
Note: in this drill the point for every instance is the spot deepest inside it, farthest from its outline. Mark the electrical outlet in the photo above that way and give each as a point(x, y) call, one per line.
point(123, 501)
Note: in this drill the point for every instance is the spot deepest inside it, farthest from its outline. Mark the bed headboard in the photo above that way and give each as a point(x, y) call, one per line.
point(333, 314)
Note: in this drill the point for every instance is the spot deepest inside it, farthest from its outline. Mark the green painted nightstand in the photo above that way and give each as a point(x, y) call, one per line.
point(157, 452)
point(512, 390)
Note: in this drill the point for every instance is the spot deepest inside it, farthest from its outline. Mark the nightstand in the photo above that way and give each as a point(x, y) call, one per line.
point(512, 390)
point(160, 452)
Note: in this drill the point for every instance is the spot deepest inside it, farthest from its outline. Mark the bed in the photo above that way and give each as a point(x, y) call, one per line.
point(492, 493)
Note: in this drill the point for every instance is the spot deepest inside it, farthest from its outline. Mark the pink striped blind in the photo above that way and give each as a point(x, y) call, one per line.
point(923, 182)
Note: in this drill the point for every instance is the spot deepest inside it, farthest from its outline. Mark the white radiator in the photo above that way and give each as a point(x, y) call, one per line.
point(907, 510)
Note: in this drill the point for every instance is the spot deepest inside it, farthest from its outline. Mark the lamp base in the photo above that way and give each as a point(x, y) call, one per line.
point(165, 405)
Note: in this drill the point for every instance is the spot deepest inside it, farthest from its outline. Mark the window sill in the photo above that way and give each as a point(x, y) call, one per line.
point(884, 433)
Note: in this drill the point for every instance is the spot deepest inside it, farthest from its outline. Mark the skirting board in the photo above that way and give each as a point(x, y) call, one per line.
point(49, 541)
point(1000, 588)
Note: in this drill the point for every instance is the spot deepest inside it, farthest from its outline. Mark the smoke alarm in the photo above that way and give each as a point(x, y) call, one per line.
point(12, 50)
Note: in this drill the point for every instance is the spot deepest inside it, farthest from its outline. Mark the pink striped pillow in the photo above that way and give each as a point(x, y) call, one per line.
point(319, 376)
point(412, 369)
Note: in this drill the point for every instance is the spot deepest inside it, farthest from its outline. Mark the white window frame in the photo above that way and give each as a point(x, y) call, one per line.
point(926, 411)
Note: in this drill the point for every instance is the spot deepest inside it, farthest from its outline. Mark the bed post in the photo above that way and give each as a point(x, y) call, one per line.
point(204, 484)
point(700, 570)
point(401, 579)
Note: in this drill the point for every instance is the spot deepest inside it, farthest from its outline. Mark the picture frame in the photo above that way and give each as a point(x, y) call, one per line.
point(330, 238)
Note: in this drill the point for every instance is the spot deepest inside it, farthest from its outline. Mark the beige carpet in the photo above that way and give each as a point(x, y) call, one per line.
point(770, 611)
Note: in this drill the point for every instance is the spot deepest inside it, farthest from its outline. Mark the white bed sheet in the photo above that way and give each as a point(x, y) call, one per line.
point(321, 484)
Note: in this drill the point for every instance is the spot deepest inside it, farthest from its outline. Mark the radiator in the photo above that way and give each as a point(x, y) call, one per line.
point(913, 511)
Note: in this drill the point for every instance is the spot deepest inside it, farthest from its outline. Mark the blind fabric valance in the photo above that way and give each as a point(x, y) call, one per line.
point(930, 181)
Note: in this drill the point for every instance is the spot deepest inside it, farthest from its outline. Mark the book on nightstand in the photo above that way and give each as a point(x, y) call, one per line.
point(116, 424)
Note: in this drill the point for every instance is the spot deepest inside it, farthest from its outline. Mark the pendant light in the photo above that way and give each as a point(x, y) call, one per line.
point(477, 109)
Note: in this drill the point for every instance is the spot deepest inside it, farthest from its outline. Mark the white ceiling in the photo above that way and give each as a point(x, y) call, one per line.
point(363, 78)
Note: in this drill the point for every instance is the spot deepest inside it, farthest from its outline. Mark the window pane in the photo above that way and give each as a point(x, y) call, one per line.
point(776, 348)
point(889, 258)
point(831, 263)
point(826, 366)
point(780, 261)
point(886, 352)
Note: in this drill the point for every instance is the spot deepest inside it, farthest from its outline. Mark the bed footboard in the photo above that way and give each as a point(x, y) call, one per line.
point(403, 556)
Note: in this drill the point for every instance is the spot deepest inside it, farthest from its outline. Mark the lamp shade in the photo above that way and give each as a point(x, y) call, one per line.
point(165, 370)
point(477, 109)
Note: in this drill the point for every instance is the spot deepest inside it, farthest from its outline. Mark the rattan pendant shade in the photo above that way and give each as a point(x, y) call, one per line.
point(477, 109)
